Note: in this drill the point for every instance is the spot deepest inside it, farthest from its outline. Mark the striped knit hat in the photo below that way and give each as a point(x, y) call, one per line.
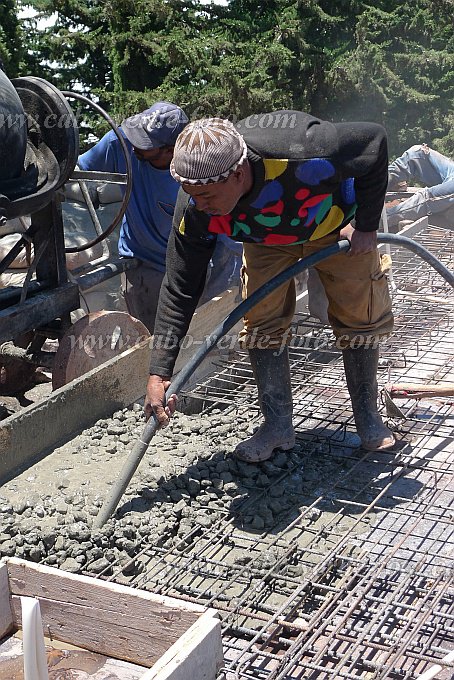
point(207, 151)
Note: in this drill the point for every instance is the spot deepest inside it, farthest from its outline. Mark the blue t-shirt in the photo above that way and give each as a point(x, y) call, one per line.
point(148, 219)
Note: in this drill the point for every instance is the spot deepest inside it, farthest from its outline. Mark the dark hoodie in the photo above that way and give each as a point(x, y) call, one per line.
point(311, 177)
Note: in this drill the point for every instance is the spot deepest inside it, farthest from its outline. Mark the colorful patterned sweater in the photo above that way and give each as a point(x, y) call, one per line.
point(311, 177)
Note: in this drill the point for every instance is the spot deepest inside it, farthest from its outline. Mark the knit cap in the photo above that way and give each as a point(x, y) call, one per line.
point(207, 151)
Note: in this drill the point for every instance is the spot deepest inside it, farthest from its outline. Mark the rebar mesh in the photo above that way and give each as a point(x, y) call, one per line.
point(356, 579)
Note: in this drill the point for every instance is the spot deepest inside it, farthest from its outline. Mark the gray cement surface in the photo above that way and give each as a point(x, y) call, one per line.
point(195, 522)
point(187, 478)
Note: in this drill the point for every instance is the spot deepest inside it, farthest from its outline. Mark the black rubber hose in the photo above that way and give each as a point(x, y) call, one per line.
point(423, 253)
point(152, 425)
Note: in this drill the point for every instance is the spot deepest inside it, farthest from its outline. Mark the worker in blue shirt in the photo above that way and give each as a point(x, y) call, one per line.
point(150, 137)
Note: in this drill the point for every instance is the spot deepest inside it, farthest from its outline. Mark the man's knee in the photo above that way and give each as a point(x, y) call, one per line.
point(418, 149)
point(256, 338)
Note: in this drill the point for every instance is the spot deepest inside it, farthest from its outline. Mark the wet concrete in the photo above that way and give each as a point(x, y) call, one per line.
point(66, 663)
point(215, 527)
point(187, 479)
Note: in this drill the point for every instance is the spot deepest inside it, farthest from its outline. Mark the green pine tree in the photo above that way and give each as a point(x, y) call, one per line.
point(11, 46)
point(391, 62)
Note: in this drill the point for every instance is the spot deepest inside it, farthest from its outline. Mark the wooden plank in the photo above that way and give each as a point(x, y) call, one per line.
point(204, 321)
point(6, 616)
point(108, 633)
point(105, 617)
point(196, 655)
point(36, 580)
point(415, 228)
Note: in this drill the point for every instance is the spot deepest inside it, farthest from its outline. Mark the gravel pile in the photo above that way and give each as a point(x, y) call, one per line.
point(187, 479)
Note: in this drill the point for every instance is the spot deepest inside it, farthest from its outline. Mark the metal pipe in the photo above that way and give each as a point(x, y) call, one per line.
point(91, 209)
point(8, 295)
point(107, 271)
point(98, 176)
point(32, 269)
point(85, 281)
point(210, 341)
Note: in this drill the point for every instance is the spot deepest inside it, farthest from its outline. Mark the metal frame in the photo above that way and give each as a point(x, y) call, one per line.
point(47, 297)
point(357, 580)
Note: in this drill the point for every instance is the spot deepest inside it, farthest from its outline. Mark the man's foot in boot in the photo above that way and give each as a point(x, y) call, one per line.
point(272, 374)
point(361, 373)
point(374, 434)
point(264, 443)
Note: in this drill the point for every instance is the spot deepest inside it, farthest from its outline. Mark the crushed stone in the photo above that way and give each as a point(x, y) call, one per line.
point(187, 479)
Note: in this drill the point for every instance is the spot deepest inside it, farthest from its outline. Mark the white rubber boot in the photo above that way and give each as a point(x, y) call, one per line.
point(272, 374)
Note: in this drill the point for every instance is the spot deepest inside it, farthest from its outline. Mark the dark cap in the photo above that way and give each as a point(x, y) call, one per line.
point(158, 126)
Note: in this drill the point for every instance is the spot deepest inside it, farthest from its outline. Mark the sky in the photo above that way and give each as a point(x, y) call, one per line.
point(29, 12)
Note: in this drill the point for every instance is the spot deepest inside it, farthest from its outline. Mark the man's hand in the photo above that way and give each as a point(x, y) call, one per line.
point(154, 400)
point(361, 241)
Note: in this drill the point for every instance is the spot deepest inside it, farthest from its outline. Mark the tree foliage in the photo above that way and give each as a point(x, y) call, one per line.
point(401, 72)
point(11, 50)
point(390, 61)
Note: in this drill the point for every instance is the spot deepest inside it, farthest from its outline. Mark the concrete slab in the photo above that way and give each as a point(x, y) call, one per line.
point(36, 430)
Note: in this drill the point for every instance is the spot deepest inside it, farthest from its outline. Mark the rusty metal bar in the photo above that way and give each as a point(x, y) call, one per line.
point(360, 577)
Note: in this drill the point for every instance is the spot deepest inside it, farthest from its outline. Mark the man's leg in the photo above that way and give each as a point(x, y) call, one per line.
point(420, 164)
point(140, 288)
point(359, 311)
point(423, 165)
point(429, 201)
point(264, 334)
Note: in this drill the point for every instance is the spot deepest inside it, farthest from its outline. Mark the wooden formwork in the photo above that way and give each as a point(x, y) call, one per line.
point(171, 639)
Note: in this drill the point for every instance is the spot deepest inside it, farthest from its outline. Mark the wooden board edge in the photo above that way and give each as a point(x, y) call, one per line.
point(110, 640)
point(415, 228)
point(6, 614)
point(197, 654)
point(15, 564)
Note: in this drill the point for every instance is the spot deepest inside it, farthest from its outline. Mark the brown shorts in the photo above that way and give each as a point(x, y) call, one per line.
point(359, 308)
